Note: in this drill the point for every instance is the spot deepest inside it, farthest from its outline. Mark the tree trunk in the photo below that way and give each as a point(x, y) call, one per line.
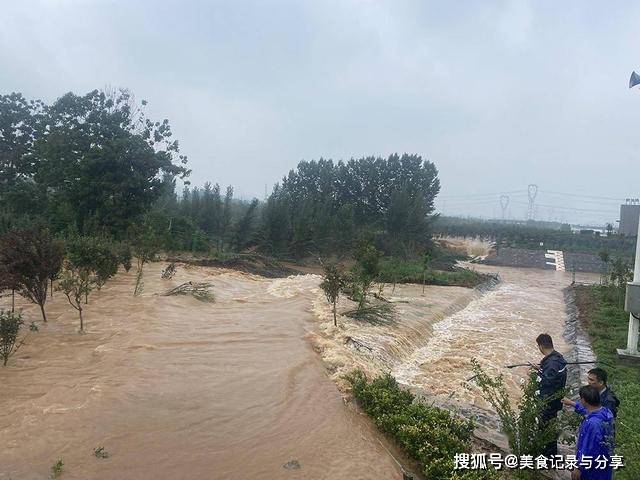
point(44, 315)
point(52, 288)
point(424, 279)
point(335, 319)
point(81, 320)
point(13, 300)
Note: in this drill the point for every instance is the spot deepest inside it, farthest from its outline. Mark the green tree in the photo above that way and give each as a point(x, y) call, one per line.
point(76, 286)
point(146, 249)
point(125, 255)
point(244, 229)
point(366, 270)
point(101, 156)
point(93, 256)
point(32, 257)
point(21, 123)
point(9, 281)
point(333, 282)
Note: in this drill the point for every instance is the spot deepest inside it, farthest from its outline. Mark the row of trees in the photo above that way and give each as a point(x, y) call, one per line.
point(324, 205)
point(533, 236)
point(30, 261)
point(96, 165)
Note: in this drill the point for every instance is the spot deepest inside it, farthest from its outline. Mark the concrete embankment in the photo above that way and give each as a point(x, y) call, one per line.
point(544, 259)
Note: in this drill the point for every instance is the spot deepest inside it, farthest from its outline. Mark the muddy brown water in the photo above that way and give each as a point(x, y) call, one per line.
point(176, 388)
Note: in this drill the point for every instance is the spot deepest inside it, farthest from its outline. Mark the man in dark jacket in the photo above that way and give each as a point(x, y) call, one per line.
point(597, 377)
point(552, 378)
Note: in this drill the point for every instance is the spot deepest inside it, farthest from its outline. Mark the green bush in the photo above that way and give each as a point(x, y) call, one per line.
point(10, 324)
point(93, 255)
point(430, 435)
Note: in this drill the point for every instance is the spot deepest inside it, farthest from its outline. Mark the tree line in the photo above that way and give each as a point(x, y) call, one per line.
point(534, 237)
point(96, 165)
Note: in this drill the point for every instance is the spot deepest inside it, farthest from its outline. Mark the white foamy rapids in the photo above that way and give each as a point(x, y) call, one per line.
point(497, 329)
point(294, 285)
point(380, 348)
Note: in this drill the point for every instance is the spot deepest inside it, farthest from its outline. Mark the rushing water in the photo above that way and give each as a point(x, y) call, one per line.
point(176, 388)
point(497, 329)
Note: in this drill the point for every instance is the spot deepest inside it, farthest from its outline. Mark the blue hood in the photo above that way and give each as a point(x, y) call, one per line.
point(604, 414)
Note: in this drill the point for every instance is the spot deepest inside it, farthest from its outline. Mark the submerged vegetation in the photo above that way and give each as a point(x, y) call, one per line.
point(10, 324)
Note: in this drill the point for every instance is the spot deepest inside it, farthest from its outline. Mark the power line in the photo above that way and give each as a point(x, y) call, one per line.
point(582, 196)
point(571, 208)
point(469, 195)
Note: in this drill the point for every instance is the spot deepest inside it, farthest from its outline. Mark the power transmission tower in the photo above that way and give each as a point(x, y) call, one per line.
point(504, 203)
point(532, 192)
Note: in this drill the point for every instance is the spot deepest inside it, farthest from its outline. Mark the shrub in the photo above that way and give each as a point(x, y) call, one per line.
point(428, 434)
point(628, 429)
point(56, 469)
point(10, 324)
point(525, 433)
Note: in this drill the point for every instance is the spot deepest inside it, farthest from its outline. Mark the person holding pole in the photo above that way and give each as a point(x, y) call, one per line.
point(552, 378)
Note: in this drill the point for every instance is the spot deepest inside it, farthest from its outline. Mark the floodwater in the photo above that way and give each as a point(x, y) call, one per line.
point(176, 388)
point(499, 328)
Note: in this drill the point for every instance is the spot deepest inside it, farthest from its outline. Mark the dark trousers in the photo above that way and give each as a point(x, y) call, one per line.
point(548, 414)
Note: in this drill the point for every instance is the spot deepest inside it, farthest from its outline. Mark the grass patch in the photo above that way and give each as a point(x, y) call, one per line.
point(430, 435)
point(395, 270)
point(607, 323)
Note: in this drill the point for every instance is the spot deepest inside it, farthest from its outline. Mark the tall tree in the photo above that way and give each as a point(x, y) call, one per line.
point(333, 282)
point(95, 161)
point(21, 123)
point(244, 229)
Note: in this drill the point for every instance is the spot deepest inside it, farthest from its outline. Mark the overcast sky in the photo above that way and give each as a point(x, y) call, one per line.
point(497, 94)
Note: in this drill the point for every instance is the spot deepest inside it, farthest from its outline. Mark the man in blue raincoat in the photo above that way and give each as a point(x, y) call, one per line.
point(595, 439)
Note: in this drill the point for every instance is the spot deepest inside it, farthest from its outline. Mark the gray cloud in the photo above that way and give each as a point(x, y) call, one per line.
point(498, 94)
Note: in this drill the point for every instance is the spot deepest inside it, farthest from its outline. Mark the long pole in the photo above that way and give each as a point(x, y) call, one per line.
point(634, 323)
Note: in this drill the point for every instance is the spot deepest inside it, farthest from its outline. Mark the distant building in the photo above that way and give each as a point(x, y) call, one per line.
point(629, 215)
